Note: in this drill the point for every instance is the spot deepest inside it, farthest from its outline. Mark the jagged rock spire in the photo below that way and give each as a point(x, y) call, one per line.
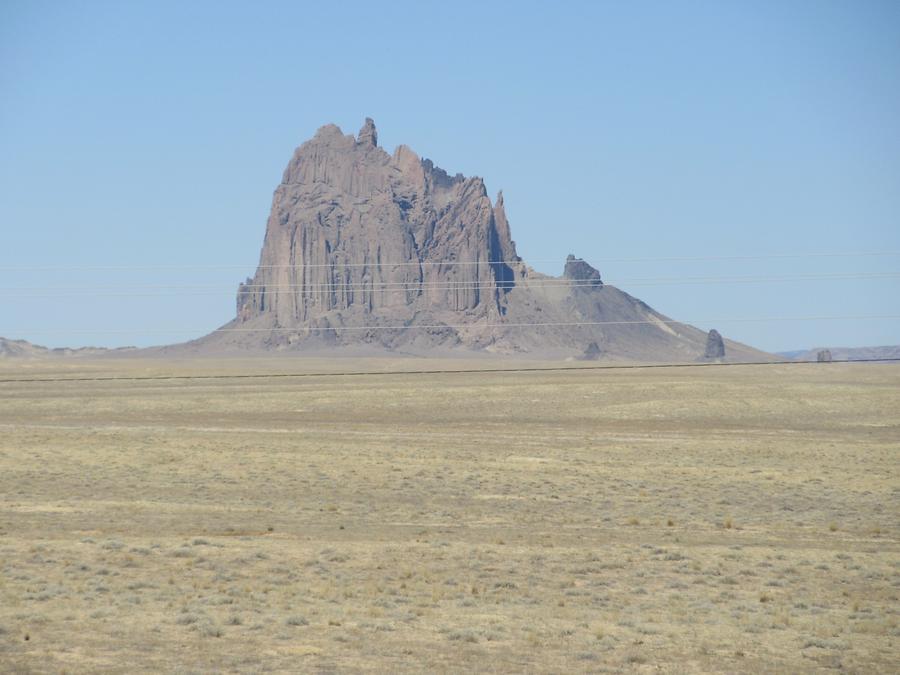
point(715, 346)
point(507, 250)
point(368, 135)
point(578, 270)
point(355, 233)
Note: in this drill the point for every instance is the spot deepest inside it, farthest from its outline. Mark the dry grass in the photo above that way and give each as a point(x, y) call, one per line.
point(739, 519)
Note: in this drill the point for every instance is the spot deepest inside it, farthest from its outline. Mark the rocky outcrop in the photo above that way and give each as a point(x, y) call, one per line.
point(368, 136)
point(577, 270)
point(824, 356)
point(715, 346)
point(369, 249)
point(591, 353)
point(356, 232)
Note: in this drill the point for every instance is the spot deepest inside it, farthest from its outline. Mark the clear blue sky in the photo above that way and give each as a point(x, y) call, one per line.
point(154, 134)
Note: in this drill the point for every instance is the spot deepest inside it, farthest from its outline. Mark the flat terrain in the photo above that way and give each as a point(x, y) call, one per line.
point(725, 519)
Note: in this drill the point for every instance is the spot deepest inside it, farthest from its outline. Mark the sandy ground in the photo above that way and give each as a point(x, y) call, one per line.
point(737, 519)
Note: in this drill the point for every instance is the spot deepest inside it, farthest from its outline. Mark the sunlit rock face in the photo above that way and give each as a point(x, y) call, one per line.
point(355, 231)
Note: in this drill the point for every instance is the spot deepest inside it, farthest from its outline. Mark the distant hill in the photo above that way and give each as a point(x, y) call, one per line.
point(846, 353)
point(25, 349)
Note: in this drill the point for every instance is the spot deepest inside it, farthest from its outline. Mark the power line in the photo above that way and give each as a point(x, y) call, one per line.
point(473, 326)
point(325, 287)
point(142, 290)
point(449, 263)
point(366, 373)
point(530, 283)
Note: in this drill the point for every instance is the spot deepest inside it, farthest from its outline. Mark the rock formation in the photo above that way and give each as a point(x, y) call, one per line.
point(715, 346)
point(591, 353)
point(824, 356)
point(388, 251)
point(579, 271)
point(355, 232)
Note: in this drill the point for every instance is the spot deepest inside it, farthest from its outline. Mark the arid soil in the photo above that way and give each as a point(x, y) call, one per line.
point(719, 519)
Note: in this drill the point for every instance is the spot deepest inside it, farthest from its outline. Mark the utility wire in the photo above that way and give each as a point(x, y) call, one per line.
point(472, 326)
point(366, 373)
point(448, 263)
point(142, 290)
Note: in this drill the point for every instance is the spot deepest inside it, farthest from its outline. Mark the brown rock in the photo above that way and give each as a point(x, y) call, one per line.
point(715, 346)
point(357, 232)
point(368, 136)
point(366, 248)
point(579, 271)
point(591, 353)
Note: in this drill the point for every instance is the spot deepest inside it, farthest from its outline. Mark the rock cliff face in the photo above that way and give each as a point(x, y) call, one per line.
point(388, 251)
point(355, 231)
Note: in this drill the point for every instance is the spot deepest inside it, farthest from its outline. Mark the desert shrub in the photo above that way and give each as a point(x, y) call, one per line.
point(463, 636)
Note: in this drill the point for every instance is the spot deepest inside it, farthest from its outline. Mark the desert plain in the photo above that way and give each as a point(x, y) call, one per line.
point(720, 519)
